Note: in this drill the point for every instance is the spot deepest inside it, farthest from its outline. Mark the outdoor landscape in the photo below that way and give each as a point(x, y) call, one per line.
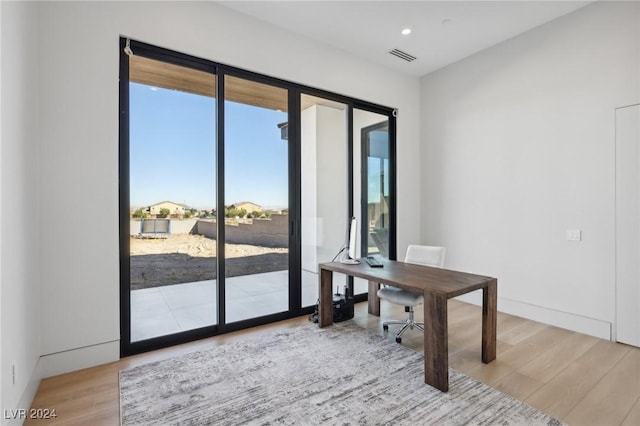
point(173, 158)
point(183, 258)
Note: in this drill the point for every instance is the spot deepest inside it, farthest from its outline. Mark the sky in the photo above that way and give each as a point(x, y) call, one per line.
point(173, 151)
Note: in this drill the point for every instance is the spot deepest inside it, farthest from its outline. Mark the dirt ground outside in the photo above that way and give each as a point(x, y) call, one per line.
point(185, 258)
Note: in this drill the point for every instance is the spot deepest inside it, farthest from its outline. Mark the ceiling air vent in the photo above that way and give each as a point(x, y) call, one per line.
point(403, 55)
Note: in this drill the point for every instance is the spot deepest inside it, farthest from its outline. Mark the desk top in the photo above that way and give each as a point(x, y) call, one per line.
point(413, 277)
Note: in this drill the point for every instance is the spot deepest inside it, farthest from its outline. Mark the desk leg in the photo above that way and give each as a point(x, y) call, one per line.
point(489, 321)
point(374, 300)
point(325, 308)
point(436, 346)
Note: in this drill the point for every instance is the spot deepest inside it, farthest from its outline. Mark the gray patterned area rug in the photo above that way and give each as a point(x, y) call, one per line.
point(340, 375)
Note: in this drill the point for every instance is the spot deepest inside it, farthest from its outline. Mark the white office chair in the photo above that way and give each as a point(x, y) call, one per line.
point(420, 255)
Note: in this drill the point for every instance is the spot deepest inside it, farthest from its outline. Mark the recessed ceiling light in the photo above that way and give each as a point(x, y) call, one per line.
point(406, 31)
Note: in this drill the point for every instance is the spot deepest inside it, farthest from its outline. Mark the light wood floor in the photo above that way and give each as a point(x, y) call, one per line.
point(579, 379)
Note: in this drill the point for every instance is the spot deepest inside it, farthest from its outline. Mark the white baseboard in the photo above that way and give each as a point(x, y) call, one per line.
point(79, 358)
point(60, 363)
point(578, 323)
point(17, 417)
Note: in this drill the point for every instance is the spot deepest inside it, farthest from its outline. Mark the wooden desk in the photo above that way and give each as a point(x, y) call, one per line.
point(438, 285)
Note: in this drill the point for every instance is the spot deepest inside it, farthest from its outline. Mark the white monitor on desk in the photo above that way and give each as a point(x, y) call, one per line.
point(350, 257)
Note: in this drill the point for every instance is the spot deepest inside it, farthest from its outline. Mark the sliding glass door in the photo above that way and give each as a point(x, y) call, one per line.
point(172, 187)
point(256, 191)
point(375, 187)
point(205, 200)
point(374, 184)
point(233, 187)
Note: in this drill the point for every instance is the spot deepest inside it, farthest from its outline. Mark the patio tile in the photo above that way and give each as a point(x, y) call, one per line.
point(196, 316)
point(170, 309)
point(189, 295)
point(153, 324)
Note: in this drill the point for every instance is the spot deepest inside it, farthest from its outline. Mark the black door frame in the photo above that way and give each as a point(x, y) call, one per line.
point(364, 201)
point(294, 115)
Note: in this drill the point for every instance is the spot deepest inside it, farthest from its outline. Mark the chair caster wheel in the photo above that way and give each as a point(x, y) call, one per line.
point(385, 327)
point(398, 339)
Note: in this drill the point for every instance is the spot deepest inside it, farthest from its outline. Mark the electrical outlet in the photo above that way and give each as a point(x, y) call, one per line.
point(574, 235)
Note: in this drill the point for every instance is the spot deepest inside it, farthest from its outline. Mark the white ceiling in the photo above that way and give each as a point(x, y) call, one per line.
point(443, 32)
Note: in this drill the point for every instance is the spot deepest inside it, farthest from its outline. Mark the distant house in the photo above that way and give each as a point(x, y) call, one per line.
point(247, 205)
point(175, 210)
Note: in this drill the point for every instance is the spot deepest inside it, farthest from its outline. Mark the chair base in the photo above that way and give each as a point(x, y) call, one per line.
point(406, 324)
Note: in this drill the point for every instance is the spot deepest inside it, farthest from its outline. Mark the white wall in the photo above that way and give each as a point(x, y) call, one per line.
point(518, 146)
point(79, 148)
point(19, 224)
point(324, 195)
point(331, 178)
point(309, 189)
point(627, 328)
point(1, 322)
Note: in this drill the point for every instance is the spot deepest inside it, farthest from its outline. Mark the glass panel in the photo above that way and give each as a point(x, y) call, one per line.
point(376, 146)
point(371, 156)
point(256, 200)
point(172, 196)
point(324, 189)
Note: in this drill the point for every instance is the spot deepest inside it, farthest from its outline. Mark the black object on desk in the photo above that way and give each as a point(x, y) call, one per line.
point(373, 262)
